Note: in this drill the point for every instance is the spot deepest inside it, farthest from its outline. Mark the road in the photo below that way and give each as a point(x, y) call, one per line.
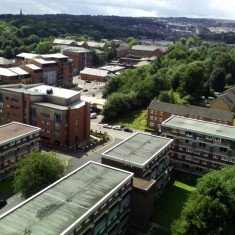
point(76, 160)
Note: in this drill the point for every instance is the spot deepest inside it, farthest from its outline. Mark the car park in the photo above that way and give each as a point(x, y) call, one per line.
point(119, 128)
point(107, 126)
point(127, 129)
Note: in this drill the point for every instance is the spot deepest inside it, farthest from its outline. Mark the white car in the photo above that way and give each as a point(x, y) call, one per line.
point(93, 115)
point(119, 128)
point(107, 126)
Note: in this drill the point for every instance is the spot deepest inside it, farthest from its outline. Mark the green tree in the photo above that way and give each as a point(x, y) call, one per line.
point(44, 47)
point(37, 171)
point(210, 209)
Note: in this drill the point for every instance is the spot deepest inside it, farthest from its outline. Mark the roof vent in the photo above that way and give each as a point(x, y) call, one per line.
point(49, 91)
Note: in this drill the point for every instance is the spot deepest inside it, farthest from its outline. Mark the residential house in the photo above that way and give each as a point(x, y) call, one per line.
point(226, 101)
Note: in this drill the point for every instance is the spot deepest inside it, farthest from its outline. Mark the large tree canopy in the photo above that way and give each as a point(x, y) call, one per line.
point(210, 209)
point(36, 172)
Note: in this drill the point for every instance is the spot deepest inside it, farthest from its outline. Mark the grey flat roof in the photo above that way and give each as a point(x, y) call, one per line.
point(7, 72)
point(138, 150)
point(95, 72)
point(22, 90)
point(202, 127)
point(14, 130)
point(65, 203)
point(57, 91)
point(19, 71)
point(33, 66)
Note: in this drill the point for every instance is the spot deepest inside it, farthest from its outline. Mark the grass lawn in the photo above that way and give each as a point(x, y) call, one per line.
point(136, 120)
point(6, 186)
point(168, 207)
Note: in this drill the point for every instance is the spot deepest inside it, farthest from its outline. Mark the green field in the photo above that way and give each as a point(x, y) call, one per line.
point(136, 120)
point(169, 205)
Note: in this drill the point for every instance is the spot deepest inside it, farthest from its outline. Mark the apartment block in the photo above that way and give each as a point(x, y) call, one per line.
point(64, 70)
point(146, 155)
point(199, 146)
point(63, 117)
point(81, 57)
point(158, 112)
point(93, 200)
point(35, 72)
point(56, 68)
point(16, 141)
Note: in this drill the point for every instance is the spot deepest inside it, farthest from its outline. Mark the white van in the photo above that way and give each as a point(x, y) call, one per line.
point(93, 115)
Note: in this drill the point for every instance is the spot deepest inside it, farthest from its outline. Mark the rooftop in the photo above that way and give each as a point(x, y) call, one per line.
point(4, 61)
point(183, 110)
point(27, 55)
point(144, 47)
point(66, 203)
point(138, 150)
point(95, 72)
point(7, 72)
point(42, 61)
point(33, 66)
point(15, 130)
point(58, 92)
point(55, 56)
point(19, 71)
point(201, 127)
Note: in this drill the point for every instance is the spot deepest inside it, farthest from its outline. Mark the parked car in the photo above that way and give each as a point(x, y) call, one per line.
point(2, 203)
point(85, 90)
point(119, 128)
point(87, 81)
point(93, 115)
point(127, 129)
point(107, 126)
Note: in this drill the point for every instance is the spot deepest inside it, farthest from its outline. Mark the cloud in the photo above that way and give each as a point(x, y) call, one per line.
point(158, 8)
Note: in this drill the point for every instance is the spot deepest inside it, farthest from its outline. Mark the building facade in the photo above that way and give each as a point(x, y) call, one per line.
point(63, 117)
point(158, 112)
point(199, 146)
point(16, 141)
point(92, 200)
point(81, 57)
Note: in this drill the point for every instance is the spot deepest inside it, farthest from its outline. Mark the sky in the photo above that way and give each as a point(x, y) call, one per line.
point(220, 9)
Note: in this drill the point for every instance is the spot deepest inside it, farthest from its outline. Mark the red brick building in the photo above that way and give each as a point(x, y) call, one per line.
point(148, 51)
point(63, 117)
point(81, 57)
point(99, 75)
point(160, 111)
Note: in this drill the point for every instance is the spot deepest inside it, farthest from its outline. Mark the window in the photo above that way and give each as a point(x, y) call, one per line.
point(151, 124)
point(160, 119)
point(152, 111)
point(155, 118)
point(196, 151)
point(224, 158)
point(214, 164)
point(188, 150)
point(181, 148)
point(151, 118)
point(204, 162)
point(215, 156)
point(223, 149)
point(202, 145)
point(195, 159)
point(205, 154)
point(188, 158)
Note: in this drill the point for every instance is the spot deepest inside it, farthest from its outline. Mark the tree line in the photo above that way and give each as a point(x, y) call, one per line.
point(192, 71)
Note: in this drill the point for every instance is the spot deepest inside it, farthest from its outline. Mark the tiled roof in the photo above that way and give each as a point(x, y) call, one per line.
point(182, 110)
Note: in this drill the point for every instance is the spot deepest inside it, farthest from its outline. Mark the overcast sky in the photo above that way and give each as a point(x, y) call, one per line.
point(223, 9)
